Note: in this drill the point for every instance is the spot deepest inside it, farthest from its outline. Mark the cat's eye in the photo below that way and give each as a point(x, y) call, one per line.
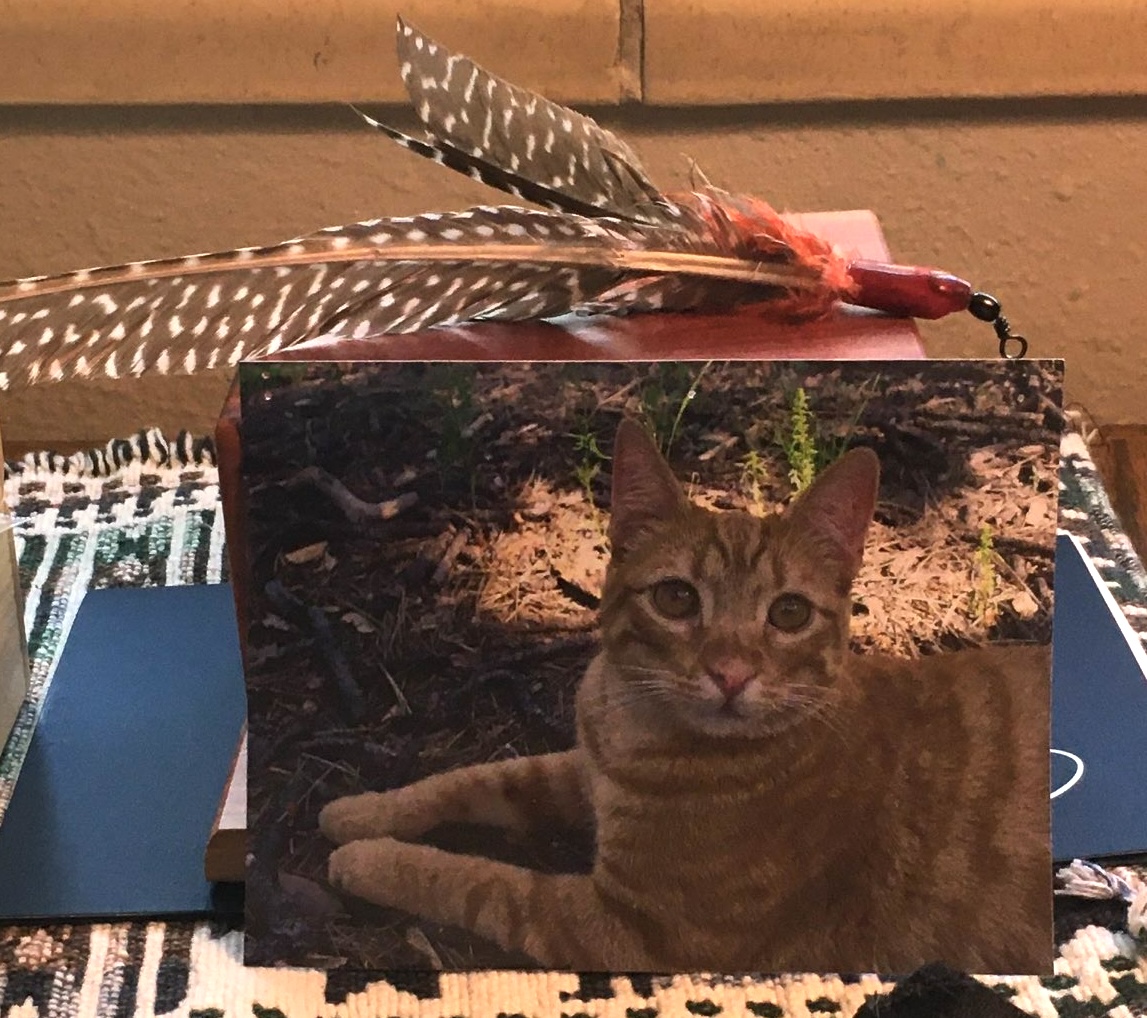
point(675, 599)
point(790, 612)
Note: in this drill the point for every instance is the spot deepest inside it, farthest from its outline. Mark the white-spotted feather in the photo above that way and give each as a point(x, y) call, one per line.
point(490, 262)
point(478, 167)
point(524, 136)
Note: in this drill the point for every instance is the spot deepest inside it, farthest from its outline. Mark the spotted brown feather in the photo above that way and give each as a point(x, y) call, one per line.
point(523, 136)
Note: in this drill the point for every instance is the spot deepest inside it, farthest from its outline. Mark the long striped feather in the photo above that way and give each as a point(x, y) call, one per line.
point(524, 135)
point(384, 276)
point(476, 168)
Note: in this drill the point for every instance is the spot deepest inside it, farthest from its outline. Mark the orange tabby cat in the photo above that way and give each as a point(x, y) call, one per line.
point(762, 798)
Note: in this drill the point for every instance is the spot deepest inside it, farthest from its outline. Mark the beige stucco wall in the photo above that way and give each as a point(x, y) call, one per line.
point(1040, 200)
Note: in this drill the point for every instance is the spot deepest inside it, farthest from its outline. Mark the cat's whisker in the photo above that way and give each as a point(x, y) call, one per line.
point(633, 693)
point(824, 711)
point(812, 693)
point(636, 698)
point(819, 700)
point(668, 673)
point(640, 683)
point(811, 702)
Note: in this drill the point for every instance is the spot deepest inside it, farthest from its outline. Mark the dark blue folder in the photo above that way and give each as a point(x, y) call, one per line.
point(115, 802)
point(1098, 718)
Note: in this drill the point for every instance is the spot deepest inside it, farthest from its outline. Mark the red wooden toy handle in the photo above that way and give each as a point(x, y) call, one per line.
point(908, 289)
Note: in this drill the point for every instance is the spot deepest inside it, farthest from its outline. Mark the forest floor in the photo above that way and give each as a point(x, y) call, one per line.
point(429, 542)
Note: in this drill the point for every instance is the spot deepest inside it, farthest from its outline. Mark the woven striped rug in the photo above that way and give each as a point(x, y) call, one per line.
point(145, 511)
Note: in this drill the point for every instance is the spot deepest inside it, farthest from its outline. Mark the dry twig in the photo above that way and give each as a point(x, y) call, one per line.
point(354, 508)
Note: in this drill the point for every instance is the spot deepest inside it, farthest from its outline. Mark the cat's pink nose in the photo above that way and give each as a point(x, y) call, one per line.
point(731, 674)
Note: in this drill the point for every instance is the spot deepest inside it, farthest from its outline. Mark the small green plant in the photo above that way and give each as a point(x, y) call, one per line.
point(683, 405)
point(800, 446)
point(665, 398)
point(986, 581)
point(590, 457)
point(808, 449)
point(831, 450)
point(754, 475)
point(452, 390)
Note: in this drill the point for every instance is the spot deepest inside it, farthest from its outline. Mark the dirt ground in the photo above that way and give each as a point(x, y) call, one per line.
point(429, 542)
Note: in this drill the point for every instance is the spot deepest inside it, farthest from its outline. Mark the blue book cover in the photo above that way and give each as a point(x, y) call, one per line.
point(1098, 717)
point(115, 802)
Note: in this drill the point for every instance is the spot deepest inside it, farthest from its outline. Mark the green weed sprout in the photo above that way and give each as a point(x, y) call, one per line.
point(666, 398)
point(986, 580)
point(800, 448)
point(754, 474)
point(590, 458)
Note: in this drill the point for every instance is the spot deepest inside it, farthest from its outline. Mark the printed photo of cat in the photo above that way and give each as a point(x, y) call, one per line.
point(728, 778)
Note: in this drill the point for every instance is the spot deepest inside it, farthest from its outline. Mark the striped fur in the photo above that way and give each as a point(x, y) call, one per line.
point(749, 779)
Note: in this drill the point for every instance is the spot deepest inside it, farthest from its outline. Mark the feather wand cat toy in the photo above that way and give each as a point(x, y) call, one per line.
point(604, 240)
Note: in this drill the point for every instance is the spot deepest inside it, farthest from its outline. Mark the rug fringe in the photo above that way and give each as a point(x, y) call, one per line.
point(147, 447)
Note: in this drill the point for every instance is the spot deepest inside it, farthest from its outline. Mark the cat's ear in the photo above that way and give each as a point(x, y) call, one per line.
point(838, 506)
point(644, 492)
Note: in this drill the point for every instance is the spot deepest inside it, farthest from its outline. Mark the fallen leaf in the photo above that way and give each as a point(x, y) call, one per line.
point(538, 509)
point(262, 655)
point(360, 622)
point(1024, 605)
point(308, 553)
point(1038, 512)
point(980, 460)
point(308, 897)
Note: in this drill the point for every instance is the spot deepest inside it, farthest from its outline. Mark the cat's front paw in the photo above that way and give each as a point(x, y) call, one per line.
point(354, 817)
point(395, 814)
point(366, 869)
